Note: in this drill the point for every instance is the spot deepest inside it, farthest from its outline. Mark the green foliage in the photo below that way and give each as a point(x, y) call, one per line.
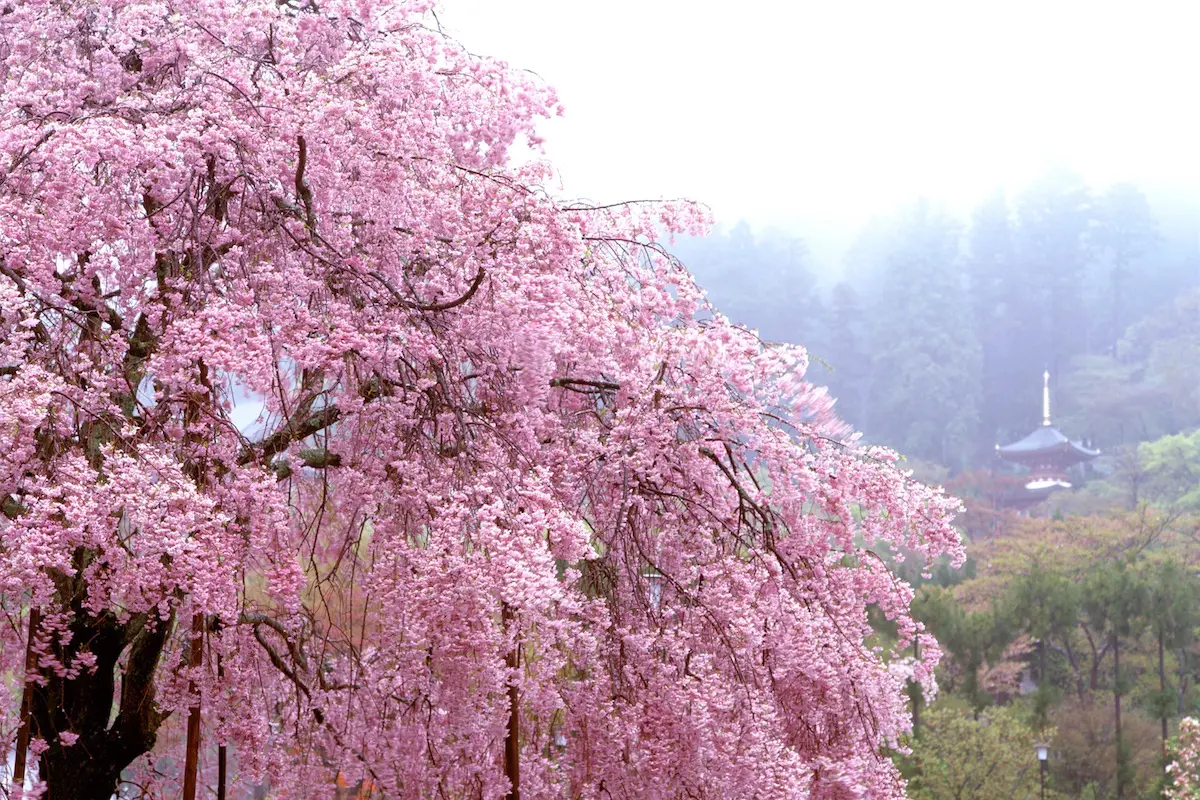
point(926, 360)
point(961, 757)
point(1172, 469)
point(1174, 595)
point(937, 335)
point(1115, 599)
point(1076, 591)
point(1110, 401)
point(972, 638)
point(1046, 603)
point(1088, 755)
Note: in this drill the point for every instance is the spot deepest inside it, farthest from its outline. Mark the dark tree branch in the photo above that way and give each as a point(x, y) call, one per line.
point(474, 287)
point(315, 458)
point(276, 659)
point(458, 301)
point(303, 191)
point(138, 718)
point(295, 430)
point(319, 458)
point(24, 155)
point(573, 384)
point(11, 507)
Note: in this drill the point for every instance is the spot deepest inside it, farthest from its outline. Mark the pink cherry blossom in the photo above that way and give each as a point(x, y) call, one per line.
point(522, 507)
point(1184, 771)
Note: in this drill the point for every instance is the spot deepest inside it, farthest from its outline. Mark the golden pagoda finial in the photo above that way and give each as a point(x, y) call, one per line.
point(1046, 397)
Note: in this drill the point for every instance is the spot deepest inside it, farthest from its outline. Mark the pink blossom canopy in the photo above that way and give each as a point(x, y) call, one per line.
point(510, 463)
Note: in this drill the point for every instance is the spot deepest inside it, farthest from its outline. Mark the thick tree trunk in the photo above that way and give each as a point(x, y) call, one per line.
point(90, 769)
point(70, 776)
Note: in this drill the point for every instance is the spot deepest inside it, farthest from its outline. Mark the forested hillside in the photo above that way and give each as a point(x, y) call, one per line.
point(1077, 622)
point(938, 329)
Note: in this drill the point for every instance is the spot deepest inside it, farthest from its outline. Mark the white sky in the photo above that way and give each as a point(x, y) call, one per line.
point(828, 111)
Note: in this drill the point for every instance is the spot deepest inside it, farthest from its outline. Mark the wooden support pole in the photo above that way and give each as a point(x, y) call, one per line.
point(191, 763)
point(25, 730)
point(221, 755)
point(512, 741)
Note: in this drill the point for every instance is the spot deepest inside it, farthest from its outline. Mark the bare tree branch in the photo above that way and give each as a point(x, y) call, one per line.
point(572, 384)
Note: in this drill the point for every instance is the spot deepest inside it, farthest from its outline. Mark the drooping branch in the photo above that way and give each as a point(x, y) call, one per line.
point(39, 330)
point(474, 287)
point(257, 621)
point(97, 310)
point(24, 155)
point(743, 495)
point(418, 306)
point(279, 664)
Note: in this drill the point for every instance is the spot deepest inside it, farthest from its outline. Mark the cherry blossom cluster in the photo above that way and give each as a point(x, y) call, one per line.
point(520, 504)
point(1183, 772)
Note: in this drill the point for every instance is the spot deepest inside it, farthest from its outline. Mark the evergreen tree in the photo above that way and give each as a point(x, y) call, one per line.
point(925, 358)
point(1115, 601)
point(848, 356)
point(1126, 233)
point(997, 293)
point(759, 282)
point(1054, 216)
point(1172, 616)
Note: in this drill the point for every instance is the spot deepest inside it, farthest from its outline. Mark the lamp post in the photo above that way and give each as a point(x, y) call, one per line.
point(655, 579)
point(1043, 752)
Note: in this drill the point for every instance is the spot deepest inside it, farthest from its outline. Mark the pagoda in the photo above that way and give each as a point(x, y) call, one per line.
point(1047, 453)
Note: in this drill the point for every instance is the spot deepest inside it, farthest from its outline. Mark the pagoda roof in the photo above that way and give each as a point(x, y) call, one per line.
point(1046, 440)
